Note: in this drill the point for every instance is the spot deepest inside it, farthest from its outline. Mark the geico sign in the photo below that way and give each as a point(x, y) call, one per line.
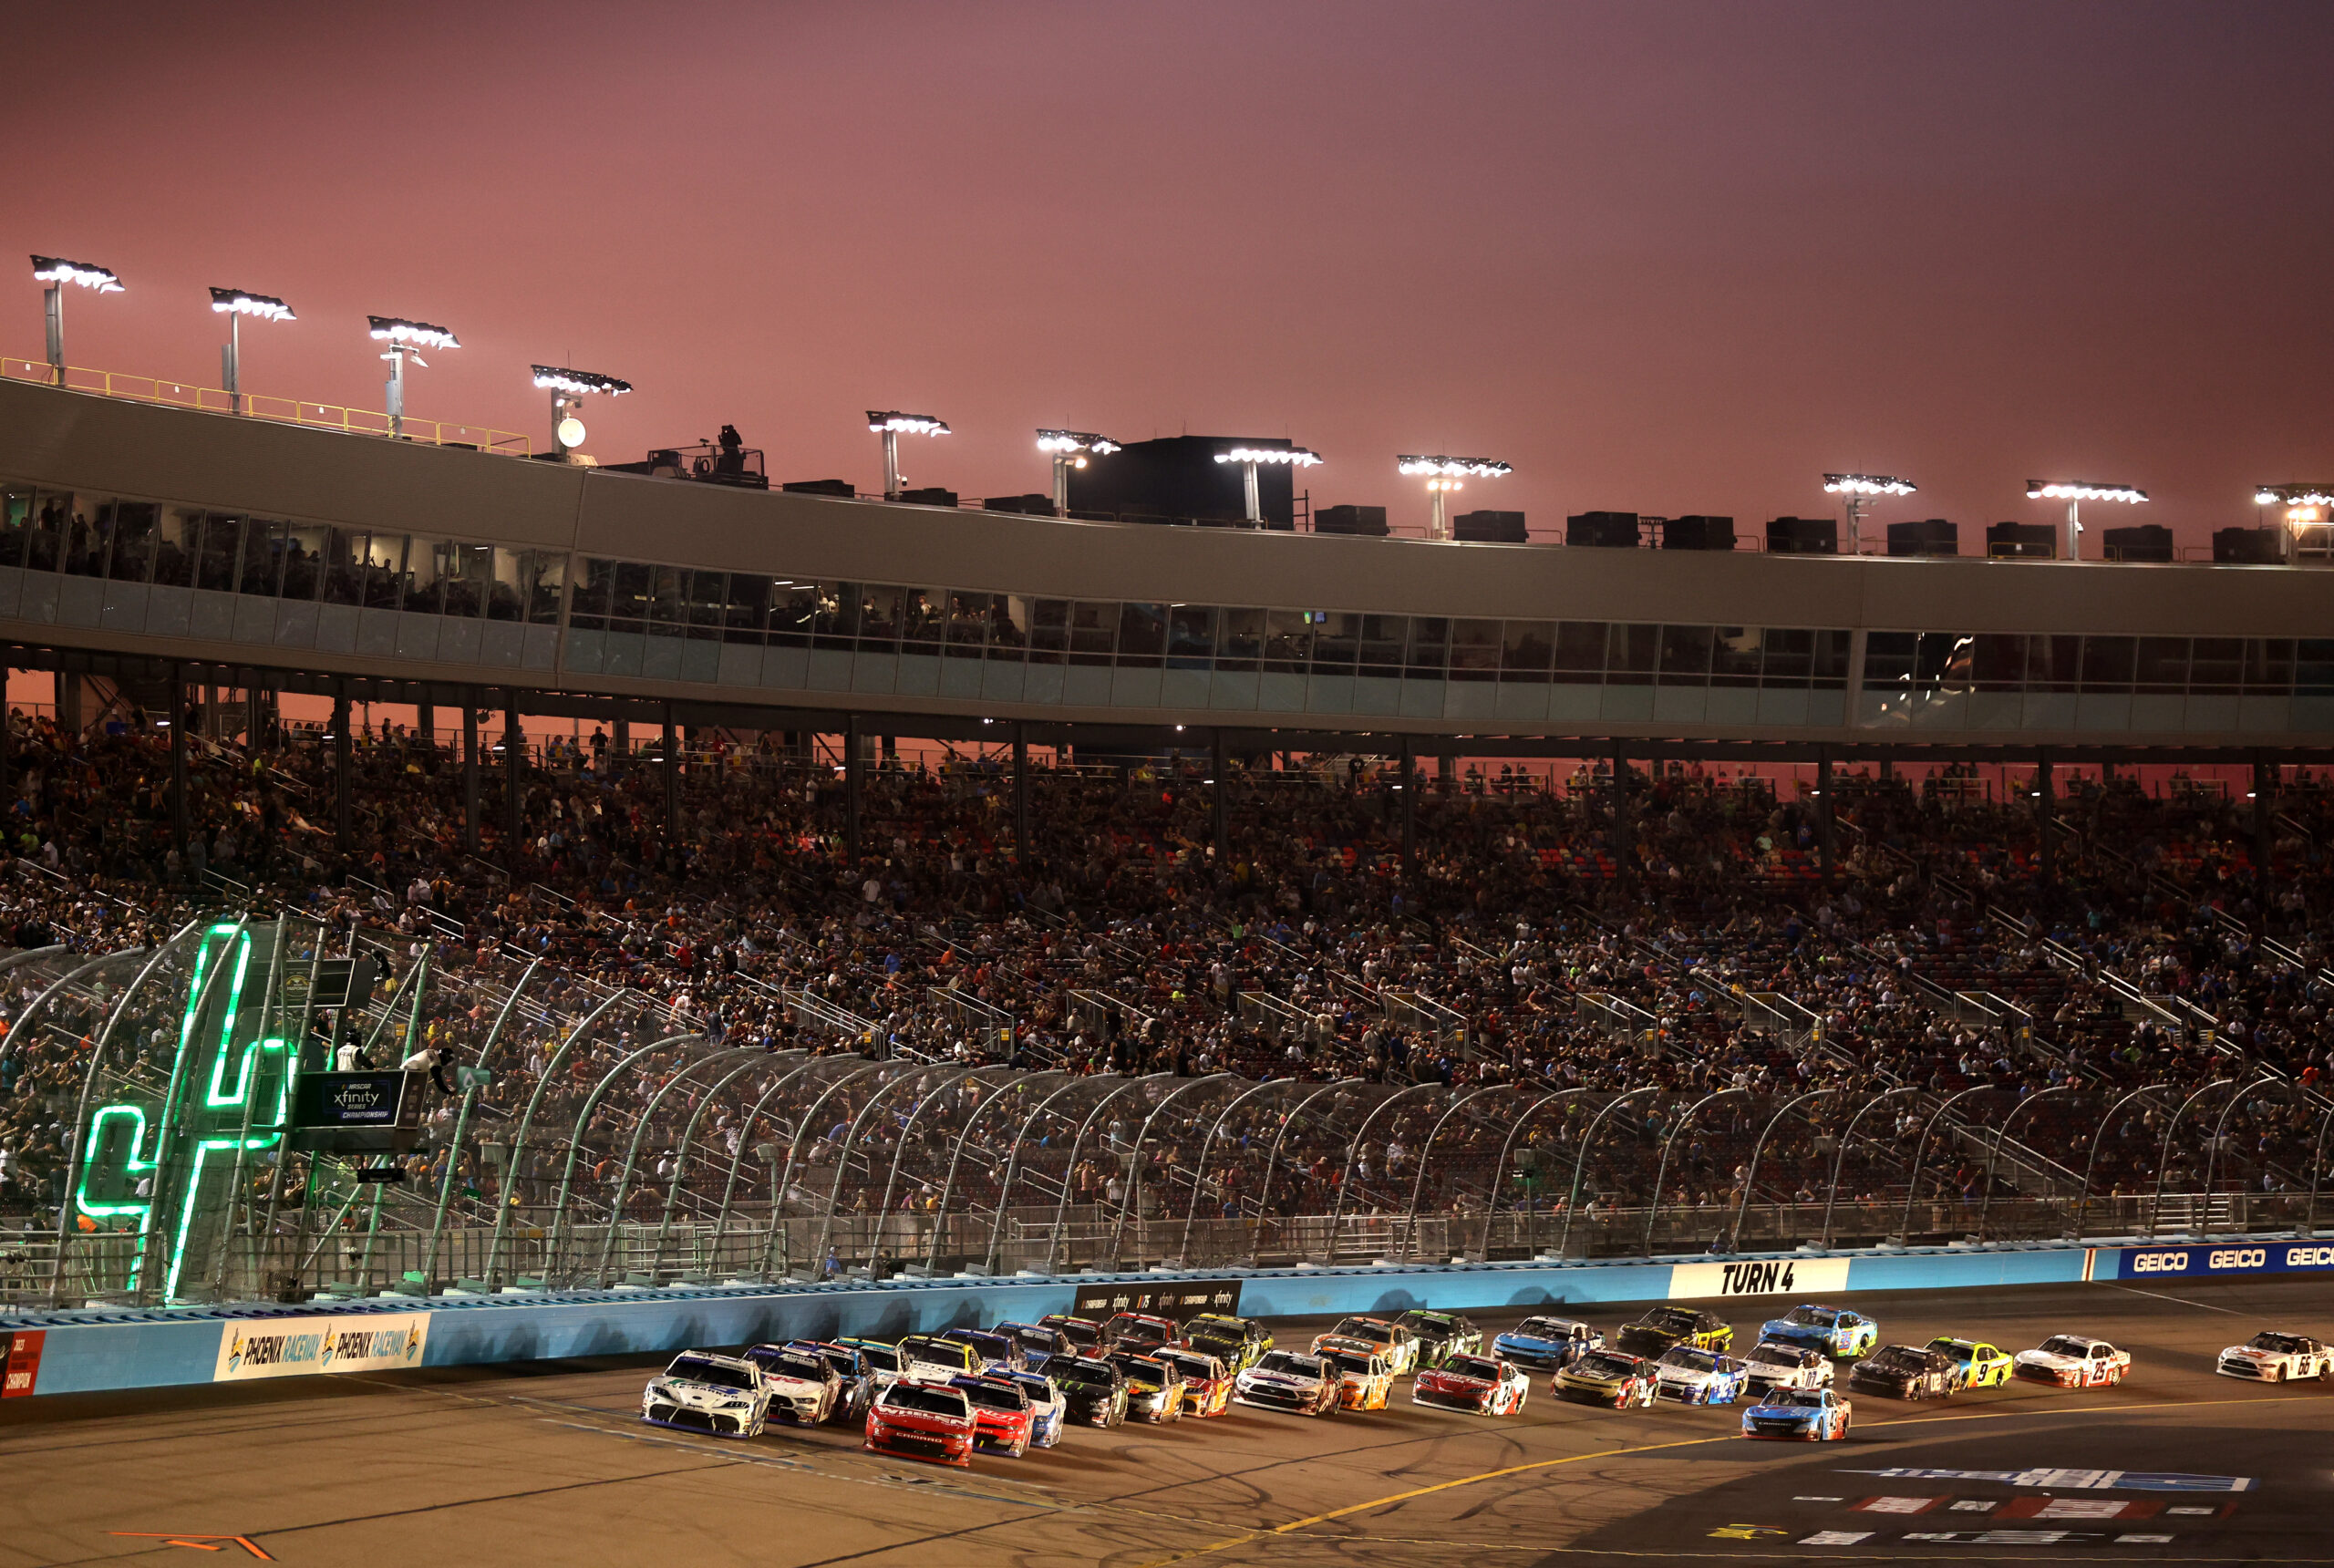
point(2309, 1257)
point(2239, 1258)
point(2159, 1263)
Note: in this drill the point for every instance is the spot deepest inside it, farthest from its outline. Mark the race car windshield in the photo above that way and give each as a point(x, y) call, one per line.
point(1434, 1322)
point(2060, 1345)
point(1897, 1360)
point(881, 1358)
point(1292, 1364)
point(697, 1369)
point(1214, 1338)
point(801, 1366)
point(1360, 1328)
point(926, 1401)
point(1811, 1317)
point(1143, 1375)
point(1347, 1361)
point(1690, 1360)
point(2284, 1343)
point(1084, 1375)
point(1543, 1329)
point(843, 1361)
point(995, 1346)
point(1670, 1319)
point(1606, 1366)
point(1189, 1365)
point(990, 1396)
point(1783, 1355)
point(1136, 1329)
point(1794, 1399)
point(1473, 1366)
point(946, 1352)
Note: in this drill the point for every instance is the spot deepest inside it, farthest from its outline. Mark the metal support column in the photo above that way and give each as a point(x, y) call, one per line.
point(620, 752)
point(2046, 815)
point(515, 781)
point(1218, 822)
point(255, 712)
point(344, 789)
point(1624, 839)
point(1020, 797)
point(1409, 813)
point(178, 760)
point(425, 723)
point(1825, 844)
point(470, 768)
point(7, 729)
point(851, 790)
point(2265, 810)
point(672, 775)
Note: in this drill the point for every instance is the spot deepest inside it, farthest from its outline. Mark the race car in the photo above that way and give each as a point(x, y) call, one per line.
point(702, 1392)
point(2073, 1361)
point(928, 1359)
point(1906, 1372)
point(1207, 1382)
point(1397, 1344)
point(989, 1348)
point(858, 1381)
point(1139, 1331)
point(1545, 1344)
point(1980, 1365)
point(1442, 1335)
point(1237, 1342)
point(1046, 1407)
point(1834, 1330)
point(884, 1362)
point(1037, 1342)
point(1285, 1380)
point(1694, 1377)
point(802, 1387)
point(1799, 1414)
point(1609, 1377)
point(1155, 1389)
point(1083, 1336)
point(2271, 1356)
point(1660, 1328)
point(1364, 1381)
point(1095, 1391)
point(1773, 1364)
point(1002, 1418)
point(922, 1421)
point(1476, 1383)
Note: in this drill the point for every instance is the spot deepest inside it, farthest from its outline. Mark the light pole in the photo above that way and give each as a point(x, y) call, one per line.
point(2307, 506)
point(1859, 490)
point(1068, 449)
point(1248, 458)
point(57, 272)
point(406, 339)
point(1444, 475)
point(568, 389)
point(2074, 492)
point(891, 424)
point(235, 304)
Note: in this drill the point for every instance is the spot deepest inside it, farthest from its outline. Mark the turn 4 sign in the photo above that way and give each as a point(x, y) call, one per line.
point(1760, 1276)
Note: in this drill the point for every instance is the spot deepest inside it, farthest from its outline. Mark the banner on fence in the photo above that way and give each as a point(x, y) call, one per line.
point(1177, 1299)
point(1760, 1276)
point(2234, 1256)
point(295, 1348)
point(23, 1363)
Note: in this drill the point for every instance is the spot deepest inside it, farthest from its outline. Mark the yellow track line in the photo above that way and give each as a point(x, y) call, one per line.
point(1296, 1524)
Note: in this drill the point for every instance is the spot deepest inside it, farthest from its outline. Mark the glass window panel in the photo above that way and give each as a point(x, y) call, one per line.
point(2108, 663)
point(85, 538)
point(222, 542)
point(1580, 652)
point(793, 612)
point(1142, 633)
point(1241, 643)
point(709, 603)
point(177, 544)
point(1288, 640)
point(1008, 626)
point(1429, 653)
point(1790, 656)
point(382, 569)
point(1337, 641)
point(304, 560)
point(52, 516)
point(881, 605)
point(667, 609)
point(1475, 647)
point(1941, 661)
point(1093, 631)
point(1686, 654)
point(262, 571)
point(1191, 636)
point(2052, 662)
point(593, 594)
point(744, 607)
point(1629, 653)
point(2215, 666)
point(2268, 666)
point(2162, 665)
point(1527, 648)
point(425, 579)
point(1888, 657)
point(547, 582)
point(2314, 665)
point(1828, 665)
point(923, 615)
point(1734, 656)
point(471, 583)
point(628, 604)
point(16, 507)
point(133, 524)
point(343, 567)
point(967, 624)
point(1381, 644)
point(1048, 631)
point(841, 606)
point(1999, 661)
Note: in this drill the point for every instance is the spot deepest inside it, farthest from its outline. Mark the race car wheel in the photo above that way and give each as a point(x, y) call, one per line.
point(2280, 1376)
point(1021, 1445)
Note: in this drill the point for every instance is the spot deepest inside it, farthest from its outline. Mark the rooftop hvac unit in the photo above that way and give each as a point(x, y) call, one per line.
point(1034, 505)
point(1935, 536)
point(1603, 529)
point(931, 495)
point(2139, 541)
point(1803, 536)
point(820, 487)
point(1495, 528)
point(2250, 546)
point(2025, 540)
point(1697, 532)
point(1366, 521)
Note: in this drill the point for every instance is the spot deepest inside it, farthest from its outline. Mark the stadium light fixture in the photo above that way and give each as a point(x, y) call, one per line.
point(406, 340)
point(2305, 506)
point(1068, 449)
point(891, 424)
point(57, 272)
point(2074, 492)
point(235, 304)
point(1248, 458)
point(1444, 475)
point(568, 389)
point(1859, 491)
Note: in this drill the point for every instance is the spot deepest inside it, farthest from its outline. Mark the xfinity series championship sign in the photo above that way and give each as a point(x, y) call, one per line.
point(350, 1099)
point(2237, 1257)
point(1177, 1299)
point(301, 1347)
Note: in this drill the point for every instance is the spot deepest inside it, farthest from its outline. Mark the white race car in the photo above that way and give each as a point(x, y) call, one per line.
point(1695, 1377)
point(1285, 1380)
point(2072, 1361)
point(802, 1387)
point(702, 1392)
point(1772, 1364)
point(1477, 1384)
point(2272, 1358)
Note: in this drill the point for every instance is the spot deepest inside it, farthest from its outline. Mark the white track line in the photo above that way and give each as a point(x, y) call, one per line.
point(2181, 1301)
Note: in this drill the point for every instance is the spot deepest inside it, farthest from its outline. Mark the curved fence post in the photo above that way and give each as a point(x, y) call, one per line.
point(681, 1157)
point(1661, 1176)
point(1353, 1151)
point(1580, 1164)
point(907, 1074)
point(2001, 1135)
point(1840, 1155)
point(640, 1132)
point(461, 1125)
point(575, 1037)
point(957, 1154)
point(793, 1151)
point(2164, 1158)
point(2213, 1149)
point(2316, 1162)
point(1426, 1153)
point(1070, 1167)
point(899, 1153)
point(746, 1145)
point(1135, 1160)
point(575, 1144)
point(1013, 1167)
point(1758, 1151)
point(75, 1155)
point(1272, 1167)
point(1921, 1149)
point(2091, 1163)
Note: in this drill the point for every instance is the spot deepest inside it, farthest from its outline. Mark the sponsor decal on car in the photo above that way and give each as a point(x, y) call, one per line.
point(297, 1348)
point(1761, 1277)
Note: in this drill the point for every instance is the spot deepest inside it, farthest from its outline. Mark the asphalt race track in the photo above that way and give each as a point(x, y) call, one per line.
point(549, 1465)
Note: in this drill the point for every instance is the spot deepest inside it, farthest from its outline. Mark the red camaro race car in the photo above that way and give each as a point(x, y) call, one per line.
point(922, 1421)
point(1002, 1416)
point(1476, 1383)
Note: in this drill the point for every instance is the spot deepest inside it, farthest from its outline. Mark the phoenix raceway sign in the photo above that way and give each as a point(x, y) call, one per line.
point(1761, 1276)
point(2237, 1257)
point(296, 1347)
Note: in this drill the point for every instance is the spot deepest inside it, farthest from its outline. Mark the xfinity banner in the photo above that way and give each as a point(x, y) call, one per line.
point(1760, 1276)
point(2220, 1259)
point(1178, 1299)
point(294, 1347)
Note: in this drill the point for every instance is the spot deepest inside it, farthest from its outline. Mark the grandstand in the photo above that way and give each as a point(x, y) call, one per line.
point(1236, 935)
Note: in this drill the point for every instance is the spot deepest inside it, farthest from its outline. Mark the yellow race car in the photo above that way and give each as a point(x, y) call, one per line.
point(1981, 1365)
point(1365, 1380)
point(1237, 1342)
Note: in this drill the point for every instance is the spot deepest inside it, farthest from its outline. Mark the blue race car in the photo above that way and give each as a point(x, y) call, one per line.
point(1046, 1405)
point(1798, 1416)
point(1548, 1344)
point(1834, 1330)
point(989, 1347)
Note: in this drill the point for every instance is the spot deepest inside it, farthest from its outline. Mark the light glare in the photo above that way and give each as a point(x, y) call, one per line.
point(1453, 467)
point(1059, 441)
point(411, 334)
point(554, 378)
point(1867, 484)
point(1296, 456)
point(57, 270)
point(242, 302)
point(897, 423)
point(2080, 489)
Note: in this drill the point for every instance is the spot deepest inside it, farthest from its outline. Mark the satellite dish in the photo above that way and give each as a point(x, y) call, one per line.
point(570, 432)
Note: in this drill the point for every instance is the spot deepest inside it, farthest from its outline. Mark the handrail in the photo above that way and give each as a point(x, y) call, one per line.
point(277, 410)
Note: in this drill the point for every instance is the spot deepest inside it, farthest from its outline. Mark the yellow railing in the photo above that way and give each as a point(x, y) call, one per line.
point(283, 410)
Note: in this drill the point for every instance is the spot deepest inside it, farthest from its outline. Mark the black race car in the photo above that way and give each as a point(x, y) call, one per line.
point(1442, 1335)
point(1661, 1327)
point(1906, 1372)
point(1094, 1393)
